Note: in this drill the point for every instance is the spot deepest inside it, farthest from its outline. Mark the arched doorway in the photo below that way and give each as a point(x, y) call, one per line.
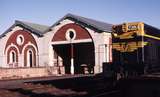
point(12, 56)
point(30, 56)
point(30, 59)
point(74, 44)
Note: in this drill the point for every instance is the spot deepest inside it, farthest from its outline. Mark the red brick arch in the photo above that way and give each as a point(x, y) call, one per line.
point(81, 33)
point(29, 47)
point(8, 54)
point(27, 38)
point(12, 40)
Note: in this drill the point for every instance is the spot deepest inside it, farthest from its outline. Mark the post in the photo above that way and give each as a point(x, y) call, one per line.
point(142, 49)
point(72, 59)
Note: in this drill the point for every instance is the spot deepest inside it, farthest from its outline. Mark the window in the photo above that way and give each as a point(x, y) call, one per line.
point(20, 39)
point(12, 57)
point(70, 34)
point(30, 58)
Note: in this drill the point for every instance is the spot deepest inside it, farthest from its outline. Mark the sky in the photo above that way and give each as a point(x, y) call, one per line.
point(47, 12)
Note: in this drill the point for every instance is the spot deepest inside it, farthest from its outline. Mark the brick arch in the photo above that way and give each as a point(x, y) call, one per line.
point(29, 47)
point(8, 54)
point(81, 32)
point(27, 38)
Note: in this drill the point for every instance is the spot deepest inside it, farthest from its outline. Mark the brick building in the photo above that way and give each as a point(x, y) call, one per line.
point(72, 45)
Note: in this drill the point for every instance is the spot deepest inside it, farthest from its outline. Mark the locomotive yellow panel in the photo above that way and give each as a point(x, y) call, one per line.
point(129, 30)
point(128, 47)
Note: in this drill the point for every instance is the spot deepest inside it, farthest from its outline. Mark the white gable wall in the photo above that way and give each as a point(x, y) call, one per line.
point(3, 41)
point(48, 51)
point(101, 42)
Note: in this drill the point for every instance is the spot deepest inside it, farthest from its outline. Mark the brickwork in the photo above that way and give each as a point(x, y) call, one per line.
point(34, 55)
point(27, 38)
point(81, 33)
point(8, 53)
point(12, 73)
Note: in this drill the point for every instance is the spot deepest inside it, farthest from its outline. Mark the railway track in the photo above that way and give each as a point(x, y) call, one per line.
point(73, 86)
point(81, 86)
point(114, 93)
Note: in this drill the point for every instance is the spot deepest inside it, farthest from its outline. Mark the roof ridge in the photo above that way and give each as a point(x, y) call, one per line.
point(31, 23)
point(37, 27)
point(99, 25)
point(88, 18)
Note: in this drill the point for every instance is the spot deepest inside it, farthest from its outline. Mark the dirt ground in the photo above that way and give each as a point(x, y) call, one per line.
point(39, 90)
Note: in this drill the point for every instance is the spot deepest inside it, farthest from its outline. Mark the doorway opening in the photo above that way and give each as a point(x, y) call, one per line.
point(30, 60)
point(83, 56)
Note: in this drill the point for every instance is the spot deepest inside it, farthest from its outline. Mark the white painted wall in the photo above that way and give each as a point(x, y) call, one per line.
point(101, 42)
point(3, 41)
point(46, 53)
point(99, 39)
point(47, 39)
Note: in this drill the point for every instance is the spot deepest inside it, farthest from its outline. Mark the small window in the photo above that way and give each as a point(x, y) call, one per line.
point(20, 39)
point(70, 34)
point(12, 57)
point(31, 58)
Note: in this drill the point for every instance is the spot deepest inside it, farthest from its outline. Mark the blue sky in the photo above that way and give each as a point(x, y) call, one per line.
point(49, 11)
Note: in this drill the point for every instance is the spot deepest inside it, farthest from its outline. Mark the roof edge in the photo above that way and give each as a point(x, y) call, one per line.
point(69, 15)
point(17, 22)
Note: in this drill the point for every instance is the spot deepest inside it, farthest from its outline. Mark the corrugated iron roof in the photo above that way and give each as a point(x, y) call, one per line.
point(98, 24)
point(91, 22)
point(37, 29)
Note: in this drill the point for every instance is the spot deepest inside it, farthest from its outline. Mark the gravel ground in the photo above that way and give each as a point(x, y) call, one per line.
point(39, 90)
point(65, 86)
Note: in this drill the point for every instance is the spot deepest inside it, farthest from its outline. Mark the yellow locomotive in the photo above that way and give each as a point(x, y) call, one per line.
point(135, 49)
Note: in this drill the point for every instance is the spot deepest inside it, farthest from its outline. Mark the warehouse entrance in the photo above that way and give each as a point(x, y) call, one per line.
point(81, 55)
